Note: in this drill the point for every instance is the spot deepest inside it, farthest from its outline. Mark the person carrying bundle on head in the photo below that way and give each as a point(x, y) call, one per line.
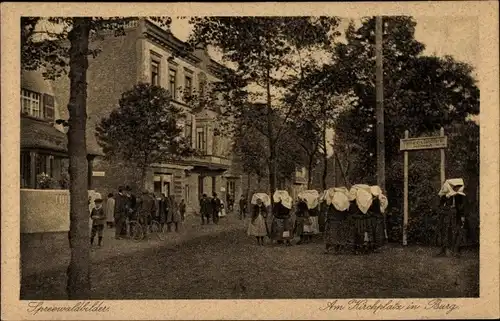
point(376, 213)
point(306, 222)
point(337, 228)
point(453, 221)
point(281, 227)
point(361, 201)
point(258, 224)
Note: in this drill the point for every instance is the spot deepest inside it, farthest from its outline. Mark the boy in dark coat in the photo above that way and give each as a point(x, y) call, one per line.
point(98, 220)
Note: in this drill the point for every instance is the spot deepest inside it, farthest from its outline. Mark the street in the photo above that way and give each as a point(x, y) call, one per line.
point(222, 262)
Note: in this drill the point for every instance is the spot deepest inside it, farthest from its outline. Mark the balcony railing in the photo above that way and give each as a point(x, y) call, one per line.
point(210, 159)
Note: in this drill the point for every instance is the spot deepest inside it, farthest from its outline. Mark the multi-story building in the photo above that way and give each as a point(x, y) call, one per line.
point(146, 54)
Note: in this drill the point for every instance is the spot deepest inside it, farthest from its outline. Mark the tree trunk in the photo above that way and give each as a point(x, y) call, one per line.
point(272, 142)
point(144, 173)
point(247, 194)
point(325, 158)
point(309, 171)
point(78, 283)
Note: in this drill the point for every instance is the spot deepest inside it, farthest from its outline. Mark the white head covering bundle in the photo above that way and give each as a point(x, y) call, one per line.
point(284, 197)
point(377, 192)
point(310, 197)
point(452, 187)
point(363, 196)
point(263, 197)
point(338, 196)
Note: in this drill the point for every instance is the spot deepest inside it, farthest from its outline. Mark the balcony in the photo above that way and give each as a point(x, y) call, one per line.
point(210, 159)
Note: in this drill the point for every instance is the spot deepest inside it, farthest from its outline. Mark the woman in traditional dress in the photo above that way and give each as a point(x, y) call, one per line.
point(281, 227)
point(258, 224)
point(362, 224)
point(337, 229)
point(302, 226)
point(307, 214)
point(377, 216)
point(452, 216)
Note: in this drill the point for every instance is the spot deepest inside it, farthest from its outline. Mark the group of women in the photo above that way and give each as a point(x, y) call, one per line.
point(352, 217)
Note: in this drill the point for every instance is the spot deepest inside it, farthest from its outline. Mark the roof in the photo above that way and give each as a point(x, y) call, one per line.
point(41, 134)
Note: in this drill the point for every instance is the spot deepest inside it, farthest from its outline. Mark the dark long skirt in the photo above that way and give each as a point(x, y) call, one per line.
point(279, 227)
point(338, 232)
point(378, 238)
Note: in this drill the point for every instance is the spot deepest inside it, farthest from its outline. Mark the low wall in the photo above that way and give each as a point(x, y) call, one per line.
point(45, 211)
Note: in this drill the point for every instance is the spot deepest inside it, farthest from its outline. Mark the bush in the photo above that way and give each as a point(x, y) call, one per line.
point(44, 181)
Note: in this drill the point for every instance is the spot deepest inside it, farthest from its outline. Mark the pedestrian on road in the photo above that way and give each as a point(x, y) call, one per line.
point(303, 223)
point(282, 227)
point(243, 207)
point(338, 230)
point(182, 210)
point(258, 224)
point(98, 220)
point(162, 210)
point(205, 209)
point(121, 213)
point(110, 210)
point(216, 208)
point(146, 210)
point(173, 217)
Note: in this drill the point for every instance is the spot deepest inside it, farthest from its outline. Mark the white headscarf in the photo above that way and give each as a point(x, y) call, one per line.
point(452, 187)
point(377, 192)
point(338, 196)
point(263, 197)
point(284, 197)
point(354, 190)
point(310, 197)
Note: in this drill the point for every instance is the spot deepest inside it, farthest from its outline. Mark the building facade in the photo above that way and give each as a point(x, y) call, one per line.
point(146, 54)
point(43, 142)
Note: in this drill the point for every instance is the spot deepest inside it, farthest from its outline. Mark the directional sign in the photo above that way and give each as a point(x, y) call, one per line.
point(422, 143)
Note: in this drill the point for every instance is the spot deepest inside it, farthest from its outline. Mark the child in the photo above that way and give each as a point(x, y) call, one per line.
point(258, 225)
point(98, 220)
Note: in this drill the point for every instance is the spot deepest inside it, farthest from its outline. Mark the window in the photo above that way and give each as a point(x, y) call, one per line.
point(172, 86)
point(200, 140)
point(155, 73)
point(188, 86)
point(30, 103)
point(48, 106)
point(25, 170)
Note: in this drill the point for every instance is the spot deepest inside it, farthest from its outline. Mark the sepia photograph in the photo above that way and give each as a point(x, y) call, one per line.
point(249, 157)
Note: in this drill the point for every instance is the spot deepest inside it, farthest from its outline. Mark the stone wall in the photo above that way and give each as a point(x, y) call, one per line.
point(44, 211)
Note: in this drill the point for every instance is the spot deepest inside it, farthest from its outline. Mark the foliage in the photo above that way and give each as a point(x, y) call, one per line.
point(267, 53)
point(251, 146)
point(421, 94)
point(45, 181)
point(144, 129)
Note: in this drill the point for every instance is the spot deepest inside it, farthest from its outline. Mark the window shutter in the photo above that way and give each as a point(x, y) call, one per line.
point(48, 106)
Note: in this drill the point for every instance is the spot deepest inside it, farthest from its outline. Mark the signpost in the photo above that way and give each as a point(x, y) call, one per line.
point(422, 143)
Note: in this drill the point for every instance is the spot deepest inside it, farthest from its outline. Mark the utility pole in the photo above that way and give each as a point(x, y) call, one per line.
point(380, 104)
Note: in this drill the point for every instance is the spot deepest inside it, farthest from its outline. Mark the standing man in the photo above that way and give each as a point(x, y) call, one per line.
point(216, 207)
point(182, 210)
point(132, 205)
point(121, 213)
point(243, 207)
point(205, 209)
